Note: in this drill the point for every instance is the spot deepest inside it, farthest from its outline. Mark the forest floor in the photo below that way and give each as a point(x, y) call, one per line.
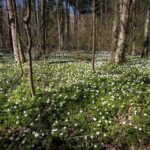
point(75, 108)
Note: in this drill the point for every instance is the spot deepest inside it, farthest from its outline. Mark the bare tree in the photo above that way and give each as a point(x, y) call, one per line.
point(15, 33)
point(27, 19)
point(124, 7)
point(146, 33)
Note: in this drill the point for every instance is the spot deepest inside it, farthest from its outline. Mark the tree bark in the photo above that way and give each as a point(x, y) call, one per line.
point(59, 25)
point(94, 37)
point(27, 19)
point(146, 33)
point(15, 35)
point(77, 17)
point(133, 27)
point(66, 25)
point(123, 26)
point(115, 26)
point(1, 27)
point(43, 26)
point(62, 18)
point(100, 30)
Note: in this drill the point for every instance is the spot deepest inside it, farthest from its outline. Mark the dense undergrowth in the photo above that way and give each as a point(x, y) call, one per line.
point(74, 108)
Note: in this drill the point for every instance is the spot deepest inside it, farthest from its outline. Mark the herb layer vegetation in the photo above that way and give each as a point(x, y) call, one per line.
point(75, 108)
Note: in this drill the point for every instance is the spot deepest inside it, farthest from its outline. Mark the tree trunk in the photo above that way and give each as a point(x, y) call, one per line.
point(43, 26)
point(77, 24)
point(15, 36)
point(100, 32)
point(1, 27)
point(27, 19)
point(9, 32)
point(62, 18)
point(59, 26)
point(146, 33)
point(67, 25)
point(133, 27)
point(94, 33)
point(123, 26)
point(115, 26)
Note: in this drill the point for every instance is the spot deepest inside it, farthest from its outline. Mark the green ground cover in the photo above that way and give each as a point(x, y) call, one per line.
point(75, 108)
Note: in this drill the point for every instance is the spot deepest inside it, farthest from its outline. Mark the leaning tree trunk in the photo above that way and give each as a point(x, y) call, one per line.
point(123, 26)
point(146, 33)
point(15, 36)
point(27, 19)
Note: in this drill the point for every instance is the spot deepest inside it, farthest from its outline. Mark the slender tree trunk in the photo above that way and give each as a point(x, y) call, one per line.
point(106, 13)
point(15, 36)
point(77, 24)
point(27, 19)
point(13, 29)
point(101, 20)
point(123, 26)
point(67, 25)
point(9, 31)
point(74, 28)
point(62, 18)
point(59, 24)
point(34, 10)
point(94, 37)
point(146, 33)
point(38, 38)
point(78, 27)
point(115, 26)
point(1, 26)
point(133, 27)
point(34, 22)
point(43, 26)
point(20, 51)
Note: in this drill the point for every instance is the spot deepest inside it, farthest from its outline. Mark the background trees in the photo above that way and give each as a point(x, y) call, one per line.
point(67, 25)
